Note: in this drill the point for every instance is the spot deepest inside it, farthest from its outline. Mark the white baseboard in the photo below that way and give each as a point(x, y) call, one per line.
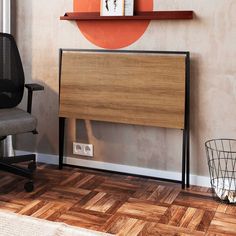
point(53, 159)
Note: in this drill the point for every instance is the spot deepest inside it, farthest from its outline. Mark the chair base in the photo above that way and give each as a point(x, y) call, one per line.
point(7, 164)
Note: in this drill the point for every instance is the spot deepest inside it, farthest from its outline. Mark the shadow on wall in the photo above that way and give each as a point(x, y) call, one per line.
point(128, 144)
point(194, 113)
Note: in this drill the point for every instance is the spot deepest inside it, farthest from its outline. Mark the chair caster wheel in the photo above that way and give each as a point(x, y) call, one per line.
point(32, 166)
point(29, 186)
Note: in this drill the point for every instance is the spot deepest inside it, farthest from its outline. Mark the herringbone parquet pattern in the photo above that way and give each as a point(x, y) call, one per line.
point(118, 204)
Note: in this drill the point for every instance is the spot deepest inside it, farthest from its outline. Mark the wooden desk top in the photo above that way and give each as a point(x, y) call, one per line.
point(133, 88)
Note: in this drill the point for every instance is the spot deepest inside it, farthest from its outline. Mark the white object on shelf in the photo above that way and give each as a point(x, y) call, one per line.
point(129, 7)
point(112, 8)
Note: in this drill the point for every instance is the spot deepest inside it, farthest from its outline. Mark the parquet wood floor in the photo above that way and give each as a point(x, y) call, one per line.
point(117, 204)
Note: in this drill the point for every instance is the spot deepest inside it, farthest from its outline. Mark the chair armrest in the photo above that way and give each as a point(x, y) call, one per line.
point(34, 87)
point(31, 88)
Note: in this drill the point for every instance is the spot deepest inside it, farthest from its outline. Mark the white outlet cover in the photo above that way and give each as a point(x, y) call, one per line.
point(83, 149)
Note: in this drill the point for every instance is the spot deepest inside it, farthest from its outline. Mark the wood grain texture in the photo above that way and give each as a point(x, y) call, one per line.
point(117, 204)
point(132, 88)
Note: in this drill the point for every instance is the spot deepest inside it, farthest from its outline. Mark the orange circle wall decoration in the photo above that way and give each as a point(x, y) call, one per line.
point(112, 34)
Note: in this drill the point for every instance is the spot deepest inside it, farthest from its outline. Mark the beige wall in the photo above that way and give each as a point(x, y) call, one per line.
point(210, 38)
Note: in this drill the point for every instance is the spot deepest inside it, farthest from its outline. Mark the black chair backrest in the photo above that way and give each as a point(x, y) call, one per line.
point(12, 78)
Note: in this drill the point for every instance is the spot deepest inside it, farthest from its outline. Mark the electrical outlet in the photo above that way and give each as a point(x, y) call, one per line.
point(83, 149)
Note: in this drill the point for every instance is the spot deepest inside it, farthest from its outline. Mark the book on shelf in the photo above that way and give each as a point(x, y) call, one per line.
point(129, 7)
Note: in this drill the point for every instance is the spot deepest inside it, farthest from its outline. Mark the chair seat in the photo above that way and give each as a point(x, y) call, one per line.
point(15, 121)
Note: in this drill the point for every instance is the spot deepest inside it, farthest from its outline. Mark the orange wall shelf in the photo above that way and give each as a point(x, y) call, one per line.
point(150, 15)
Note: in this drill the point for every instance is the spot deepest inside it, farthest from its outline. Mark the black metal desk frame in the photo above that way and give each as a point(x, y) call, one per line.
point(185, 180)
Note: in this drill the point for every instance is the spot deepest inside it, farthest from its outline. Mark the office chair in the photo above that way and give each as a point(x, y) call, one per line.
point(14, 120)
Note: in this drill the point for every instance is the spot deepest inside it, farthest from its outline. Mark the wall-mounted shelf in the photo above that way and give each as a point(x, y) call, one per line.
point(151, 15)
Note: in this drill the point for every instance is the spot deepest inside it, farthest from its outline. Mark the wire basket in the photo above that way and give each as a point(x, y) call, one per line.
point(221, 154)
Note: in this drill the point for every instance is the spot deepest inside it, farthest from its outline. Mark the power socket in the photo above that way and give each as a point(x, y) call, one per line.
point(83, 149)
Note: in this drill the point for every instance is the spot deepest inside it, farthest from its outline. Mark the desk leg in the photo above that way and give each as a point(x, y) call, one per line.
point(61, 140)
point(188, 159)
point(184, 159)
point(187, 120)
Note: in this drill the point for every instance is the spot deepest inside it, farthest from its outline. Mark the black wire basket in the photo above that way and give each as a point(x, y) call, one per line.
point(221, 154)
